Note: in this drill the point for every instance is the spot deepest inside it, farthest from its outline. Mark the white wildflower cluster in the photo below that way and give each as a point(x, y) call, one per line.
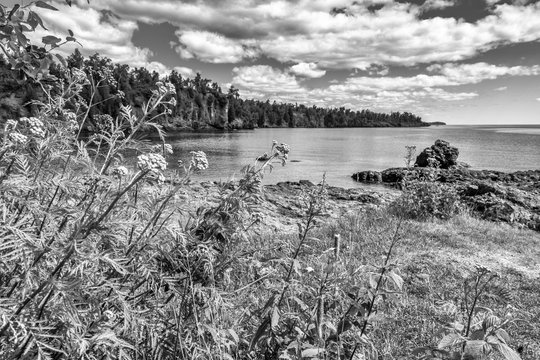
point(79, 76)
point(121, 94)
point(173, 102)
point(71, 120)
point(198, 161)
point(120, 171)
point(165, 148)
point(18, 138)
point(35, 126)
point(283, 148)
point(165, 88)
point(11, 124)
point(153, 162)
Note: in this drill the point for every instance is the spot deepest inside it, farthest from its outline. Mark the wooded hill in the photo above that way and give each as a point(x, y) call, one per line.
point(200, 103)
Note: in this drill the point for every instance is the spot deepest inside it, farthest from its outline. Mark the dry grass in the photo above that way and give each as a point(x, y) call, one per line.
point(434, 257)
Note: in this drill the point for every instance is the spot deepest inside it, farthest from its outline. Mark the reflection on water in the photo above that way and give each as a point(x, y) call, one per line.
point(341, 152)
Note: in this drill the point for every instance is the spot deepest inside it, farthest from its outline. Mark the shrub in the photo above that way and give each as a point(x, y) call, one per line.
point(425, 199)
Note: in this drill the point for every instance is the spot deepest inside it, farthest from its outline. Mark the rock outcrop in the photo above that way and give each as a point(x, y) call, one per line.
point(495, 195)
point(439, 155)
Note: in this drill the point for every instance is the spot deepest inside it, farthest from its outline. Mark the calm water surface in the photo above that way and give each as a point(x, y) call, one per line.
point(341, 152)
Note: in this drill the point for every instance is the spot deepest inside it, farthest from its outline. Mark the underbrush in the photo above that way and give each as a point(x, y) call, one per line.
point(102, 261)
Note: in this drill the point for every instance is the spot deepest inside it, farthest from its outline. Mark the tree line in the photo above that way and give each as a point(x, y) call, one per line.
point(200, 103)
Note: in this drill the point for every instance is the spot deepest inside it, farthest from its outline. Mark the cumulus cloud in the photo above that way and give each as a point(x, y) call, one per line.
point(264, 82)
point(502, 88)
point(437, 4)
point(211, 47)
point(313, 32)
point(309, 70)
point(99, 32)
point(264, 79)
point(443, 75)
point(185, 71)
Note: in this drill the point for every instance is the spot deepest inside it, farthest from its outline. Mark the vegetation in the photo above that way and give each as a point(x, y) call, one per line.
point(100, 259)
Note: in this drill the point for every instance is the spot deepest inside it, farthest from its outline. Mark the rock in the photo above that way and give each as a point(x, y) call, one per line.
point(368, 176)
point(440, 155)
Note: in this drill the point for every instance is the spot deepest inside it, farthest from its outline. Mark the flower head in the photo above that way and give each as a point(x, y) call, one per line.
point(165, 148)
point(283, 148)
point(153, 162)
point(35, 126)
point(198, 161)
point(11, 124)
point(120, 171)
point(18, 138)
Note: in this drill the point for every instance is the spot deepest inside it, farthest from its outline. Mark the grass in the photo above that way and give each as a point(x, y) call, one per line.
point(434, 257)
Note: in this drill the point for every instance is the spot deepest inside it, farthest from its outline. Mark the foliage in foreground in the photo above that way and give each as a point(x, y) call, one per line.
point(100, 260)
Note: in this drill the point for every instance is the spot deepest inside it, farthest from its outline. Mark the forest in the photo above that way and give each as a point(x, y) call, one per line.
point(200, 103)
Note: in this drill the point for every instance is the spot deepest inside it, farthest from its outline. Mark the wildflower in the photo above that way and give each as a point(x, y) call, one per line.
point(71, 120)
point(173, 102)
point(79, 76)
point(121, 94)
point(274, 143)
point(166, 148)
point(198, 161)
point(18, 138)
point(120, 171)
point(11, 124)
point(36, 126)
point(283, 148)
point(152, 162)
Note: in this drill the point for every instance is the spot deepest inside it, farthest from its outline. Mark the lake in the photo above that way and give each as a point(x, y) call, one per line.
point(341, 152)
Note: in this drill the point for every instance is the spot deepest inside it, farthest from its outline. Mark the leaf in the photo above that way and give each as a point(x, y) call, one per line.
point(50, 40)
point(312, 353)
point(398, 280)
point(71, 38)
point(450, 340)
point(274, 321)
point(507, 352)
point(36, 17)
point(44, 5)
point(503, 335)
point(15, 8)
point(260, 332)
point(62, 60)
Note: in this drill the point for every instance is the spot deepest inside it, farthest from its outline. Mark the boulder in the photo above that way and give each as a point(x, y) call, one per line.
point(440, 155)
point(368, 176)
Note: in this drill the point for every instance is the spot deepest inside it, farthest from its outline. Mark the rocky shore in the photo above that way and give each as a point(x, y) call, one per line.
point(281, 206)
point(494, 195)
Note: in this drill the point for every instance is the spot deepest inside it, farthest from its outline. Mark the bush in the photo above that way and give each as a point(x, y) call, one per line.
point(421, 200)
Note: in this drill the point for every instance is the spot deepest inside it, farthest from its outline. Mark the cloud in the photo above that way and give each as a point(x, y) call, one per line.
point(264, 82)
point(98, 32)
point(443, 75)
point(185, 71)
point(309, 70)
point(538, 99)
point(355, 36)
point(437, 4)
point(502, 88)
point(211, 47)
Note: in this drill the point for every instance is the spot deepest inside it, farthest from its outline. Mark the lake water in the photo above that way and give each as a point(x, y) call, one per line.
point(341, 152)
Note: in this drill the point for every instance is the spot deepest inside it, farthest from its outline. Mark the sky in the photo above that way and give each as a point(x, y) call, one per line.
point(457, 61)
